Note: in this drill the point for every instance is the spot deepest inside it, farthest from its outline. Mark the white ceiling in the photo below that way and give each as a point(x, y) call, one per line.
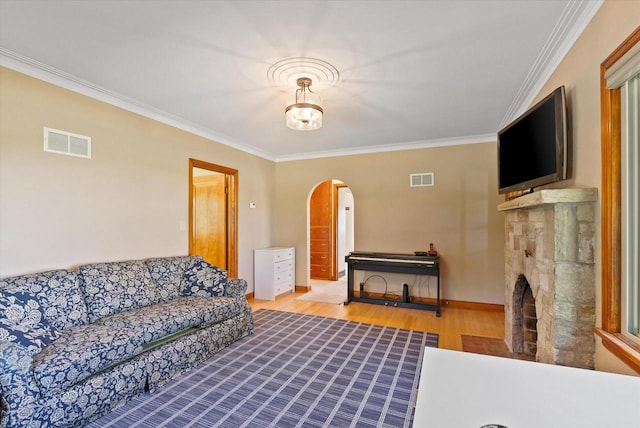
point(412, 73)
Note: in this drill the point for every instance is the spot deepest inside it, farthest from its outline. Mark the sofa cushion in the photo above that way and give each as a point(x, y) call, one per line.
point(235, 287)
point(159, 320)
point(57, 292)
point(168, 274)
point(216, 309)
point(93, 397)
point(83, 351)
point(204, 279)
point(22, 321)
point(114, 287)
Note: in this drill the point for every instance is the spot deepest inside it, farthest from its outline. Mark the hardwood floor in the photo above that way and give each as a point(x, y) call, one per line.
point(453, 322)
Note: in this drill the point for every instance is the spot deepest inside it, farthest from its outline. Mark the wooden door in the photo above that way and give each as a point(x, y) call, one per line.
point(213, 214)
point(322, 249)
point(210, 218)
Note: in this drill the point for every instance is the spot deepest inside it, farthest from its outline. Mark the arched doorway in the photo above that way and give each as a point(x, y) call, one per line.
point(330, 214)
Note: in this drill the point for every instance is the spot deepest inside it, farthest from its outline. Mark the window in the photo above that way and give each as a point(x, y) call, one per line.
point(631, 208)
point(615, 67)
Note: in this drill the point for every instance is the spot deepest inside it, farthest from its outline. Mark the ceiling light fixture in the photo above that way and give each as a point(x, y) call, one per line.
point(304, 108)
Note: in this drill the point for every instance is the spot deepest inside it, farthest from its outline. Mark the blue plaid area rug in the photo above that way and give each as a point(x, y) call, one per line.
point(296, 371)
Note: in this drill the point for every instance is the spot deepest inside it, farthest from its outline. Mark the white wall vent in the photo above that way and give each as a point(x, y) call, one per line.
point(420, 180)
point(67, 143)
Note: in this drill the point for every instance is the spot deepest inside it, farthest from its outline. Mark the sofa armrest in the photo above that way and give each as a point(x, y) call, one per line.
point(235, 287)
point(18, 387)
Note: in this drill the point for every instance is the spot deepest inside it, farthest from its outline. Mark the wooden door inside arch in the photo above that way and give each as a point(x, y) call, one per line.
point(330, 229)
point(213, 214)
point(321, 233)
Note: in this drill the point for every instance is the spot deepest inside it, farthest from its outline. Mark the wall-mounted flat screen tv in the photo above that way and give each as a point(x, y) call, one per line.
point(532, 150)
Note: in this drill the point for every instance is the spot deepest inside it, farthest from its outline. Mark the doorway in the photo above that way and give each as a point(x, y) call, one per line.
point(330, 232)
point(213, 218)
point(344, 227)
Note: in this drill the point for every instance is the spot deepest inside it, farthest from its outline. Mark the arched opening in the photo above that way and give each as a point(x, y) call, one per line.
point(330, 232)
point(525, 335)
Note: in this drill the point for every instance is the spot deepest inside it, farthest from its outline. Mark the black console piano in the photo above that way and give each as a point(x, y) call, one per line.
point(393, 263)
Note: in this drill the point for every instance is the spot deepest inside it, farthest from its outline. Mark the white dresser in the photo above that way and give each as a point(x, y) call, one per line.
point(274, 272)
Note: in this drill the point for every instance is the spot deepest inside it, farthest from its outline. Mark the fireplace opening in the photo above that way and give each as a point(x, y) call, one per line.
point(525, 331)
point(530, 333)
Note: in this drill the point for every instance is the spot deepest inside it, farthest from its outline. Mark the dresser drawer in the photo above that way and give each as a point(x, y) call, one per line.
point(320, 272)
point(319, 246)
point(283, 288)
point(283, 266)
point(319, 232)
point(280, 277)
point(319, 259)
point(282, 255)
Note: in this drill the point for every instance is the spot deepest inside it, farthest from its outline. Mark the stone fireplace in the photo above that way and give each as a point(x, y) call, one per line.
point(550, 275)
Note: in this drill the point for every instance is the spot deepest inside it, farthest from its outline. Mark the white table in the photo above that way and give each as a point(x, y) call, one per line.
point(460, 389)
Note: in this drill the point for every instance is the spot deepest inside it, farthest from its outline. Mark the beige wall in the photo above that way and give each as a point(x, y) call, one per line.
point(458, 214)
point(126, 202)
point(580, 73)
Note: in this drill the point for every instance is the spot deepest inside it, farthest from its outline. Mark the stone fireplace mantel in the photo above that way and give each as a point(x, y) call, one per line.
point(551, 196)
point(549, 241)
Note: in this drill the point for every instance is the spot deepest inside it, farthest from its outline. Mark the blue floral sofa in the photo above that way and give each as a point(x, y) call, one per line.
point(74, 345)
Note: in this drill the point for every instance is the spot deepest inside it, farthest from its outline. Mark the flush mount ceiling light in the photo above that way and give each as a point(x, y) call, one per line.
point(304, 108)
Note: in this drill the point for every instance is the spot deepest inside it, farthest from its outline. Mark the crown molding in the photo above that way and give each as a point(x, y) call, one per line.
point(424, 144)
point(571, 23)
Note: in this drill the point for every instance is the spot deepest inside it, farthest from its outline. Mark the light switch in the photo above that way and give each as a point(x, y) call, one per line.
point(252, 204)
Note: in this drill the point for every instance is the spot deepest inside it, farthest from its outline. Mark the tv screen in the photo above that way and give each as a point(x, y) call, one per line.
point(532, 150)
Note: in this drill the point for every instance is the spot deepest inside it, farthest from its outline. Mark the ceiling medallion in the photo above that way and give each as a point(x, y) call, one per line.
point(286, 72)
point(303, 110)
